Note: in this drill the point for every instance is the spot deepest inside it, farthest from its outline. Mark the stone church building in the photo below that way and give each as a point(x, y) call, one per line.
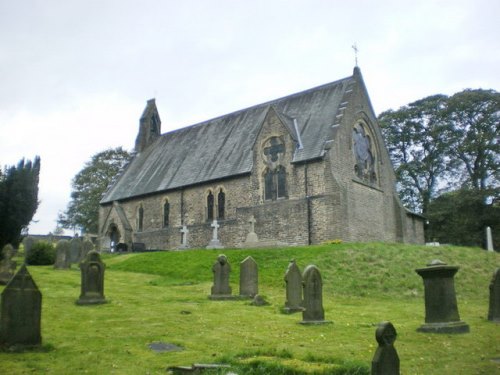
point(303, 169)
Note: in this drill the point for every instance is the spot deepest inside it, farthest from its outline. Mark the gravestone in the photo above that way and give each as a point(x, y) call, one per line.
point(221, 270)
point(214, 242)
point(62, 255)
point(7, 265)
point(293, 285)
point(441, 311)
point(313, 312)
point(138, 247)
point(386, 359)
point(92, 287)
point(184, 238)
point(21, 310)
point(249, 278)
point(494, 310)
point(75, 249)
point(87, 247)
point(489, 240)
point(28, 243)
point(252, 237)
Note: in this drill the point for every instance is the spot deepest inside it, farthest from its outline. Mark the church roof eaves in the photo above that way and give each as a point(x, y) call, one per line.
point(223, 146)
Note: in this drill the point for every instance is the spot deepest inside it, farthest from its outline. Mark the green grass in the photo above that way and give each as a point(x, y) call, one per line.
point(163, 297)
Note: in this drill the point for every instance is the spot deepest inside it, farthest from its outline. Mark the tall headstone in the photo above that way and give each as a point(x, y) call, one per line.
point(21, 311)
point(184, 238)
point(312, 284)
point(7, 265)
point(386, 359)
point(221, 270)
point(28, 243)
point(62, 255)
point(494, 310)
point(75, 249)
point(249, 278)
point(293, 285)
point(92, 288)
point(441, 310)
point(252, 237)
point(214, 242)
point(489, 240)
point(87, 247)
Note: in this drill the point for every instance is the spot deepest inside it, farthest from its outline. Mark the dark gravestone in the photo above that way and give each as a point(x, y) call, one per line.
point(75, 249)
point(249, 278)
point(92, 288)
point(494, 310)
point(441, 311)
point(293, 281)
point(62, 255)
point(386, 359)
point(21, 310)
point(7, 265)
point(123, 248)
point(221, 270)
point(138, 246)
point(313, 312)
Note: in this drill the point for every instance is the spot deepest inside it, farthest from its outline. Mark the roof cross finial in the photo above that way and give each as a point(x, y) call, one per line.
point(355, 48)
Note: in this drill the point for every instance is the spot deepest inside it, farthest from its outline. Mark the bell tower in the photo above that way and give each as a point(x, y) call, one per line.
point(149, 126)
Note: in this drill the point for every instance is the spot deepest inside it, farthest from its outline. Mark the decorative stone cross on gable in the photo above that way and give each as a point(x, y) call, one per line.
point(272, 151)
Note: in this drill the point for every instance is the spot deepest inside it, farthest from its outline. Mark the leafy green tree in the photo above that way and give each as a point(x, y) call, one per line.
point(18, 199)
point(461, 216)
point(475, 118)
point(88, 186)
point(417, 138)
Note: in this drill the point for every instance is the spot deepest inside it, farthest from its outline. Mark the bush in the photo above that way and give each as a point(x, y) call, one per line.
point(42, 254)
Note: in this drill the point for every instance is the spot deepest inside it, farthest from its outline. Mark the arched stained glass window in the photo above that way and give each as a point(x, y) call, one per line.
point(140, 219)
point(210, 206)
point(221, 204)
point(166, 214)
point(281, 182)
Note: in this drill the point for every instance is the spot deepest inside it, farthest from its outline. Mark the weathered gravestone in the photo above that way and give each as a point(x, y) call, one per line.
point(441, 311)
point(489, 240)
point(184, 238)
point(75, 249)
point(313, 312)
point(62, 255)
point(21, 310)
point(494, 310)
point(87, 247)
point(221, 270)
point(386, 359)
point(252, 239)
point(92, 288)
point(7, 265)
point(28, 243)
point(249, 278)
point(214, 242)
point(293, 281)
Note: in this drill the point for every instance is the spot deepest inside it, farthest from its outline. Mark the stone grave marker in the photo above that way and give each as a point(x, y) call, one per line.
point(75, 249)
point(249, 278)
point(386, 359)
point(313, 312)
point(28, 243)
point(214, 242)
point(87, 247)
point(489, 240)
point(293, 285)
point(221, 270)
point(62, 255)
point(184, 238)
point(494, 309)
point(92, 287)
point(7, 265)
point(441, 310)
point(21, 310)
point(252, 237)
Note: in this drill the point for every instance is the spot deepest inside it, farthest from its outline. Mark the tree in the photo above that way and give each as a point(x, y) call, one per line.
point(18, 199)
point(417, 138)
point(475, 117)
point(88, 186)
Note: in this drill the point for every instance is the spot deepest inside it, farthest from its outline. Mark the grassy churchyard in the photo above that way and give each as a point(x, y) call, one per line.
point(162, 297)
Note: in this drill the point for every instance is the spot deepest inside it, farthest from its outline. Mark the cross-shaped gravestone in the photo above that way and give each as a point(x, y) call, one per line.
point(252, 222)
point(216, 226)
point(273, 150)
point(386, 359)
point(184, 238)
point(252, 236)
point(215, 243)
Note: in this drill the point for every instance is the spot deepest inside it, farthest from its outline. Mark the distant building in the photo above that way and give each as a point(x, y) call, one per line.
point(308, 167)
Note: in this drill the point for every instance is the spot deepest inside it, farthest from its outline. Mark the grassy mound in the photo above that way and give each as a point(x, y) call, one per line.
point(162, 297)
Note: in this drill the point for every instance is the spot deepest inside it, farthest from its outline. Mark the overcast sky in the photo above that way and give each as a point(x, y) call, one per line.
point(75, 75)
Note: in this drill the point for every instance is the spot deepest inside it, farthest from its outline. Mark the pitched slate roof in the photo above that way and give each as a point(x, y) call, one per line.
point(223, 147)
